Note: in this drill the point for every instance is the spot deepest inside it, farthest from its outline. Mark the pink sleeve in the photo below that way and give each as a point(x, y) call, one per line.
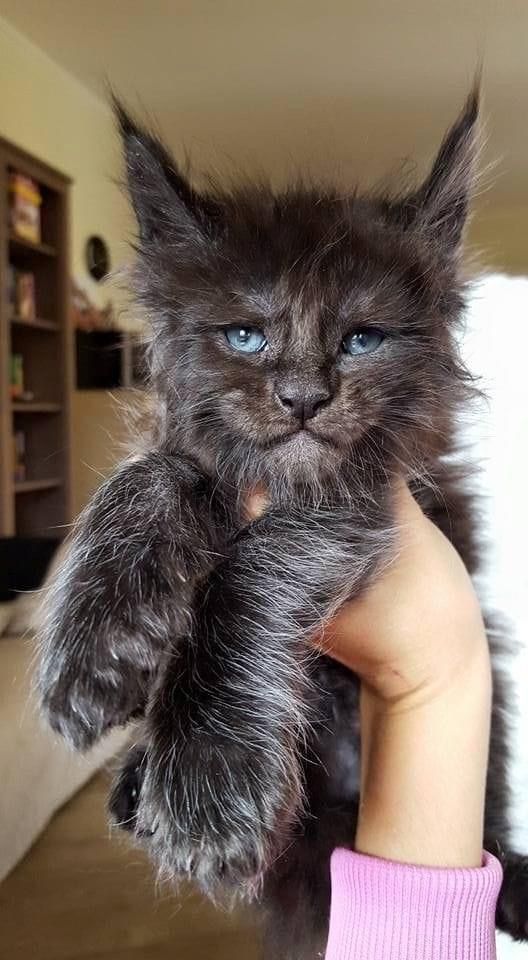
point(393, 911)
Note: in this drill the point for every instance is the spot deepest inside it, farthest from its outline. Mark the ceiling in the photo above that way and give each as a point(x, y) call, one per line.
point(348, 87)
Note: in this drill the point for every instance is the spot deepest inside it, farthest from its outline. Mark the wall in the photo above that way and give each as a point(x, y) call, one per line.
point(498, 236)
point(102, 420)
point(51, 115)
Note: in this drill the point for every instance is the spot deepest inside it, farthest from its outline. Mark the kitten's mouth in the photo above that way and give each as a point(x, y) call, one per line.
point(300, 436)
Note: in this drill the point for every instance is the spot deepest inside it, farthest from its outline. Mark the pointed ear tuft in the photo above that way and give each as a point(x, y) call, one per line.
point(441, 203)
point(165, 203)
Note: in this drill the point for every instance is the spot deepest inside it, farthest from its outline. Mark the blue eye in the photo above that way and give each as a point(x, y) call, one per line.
point(362, 341)
point(246, 339)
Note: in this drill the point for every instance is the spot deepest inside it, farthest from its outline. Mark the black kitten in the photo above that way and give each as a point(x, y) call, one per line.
point(304, 341)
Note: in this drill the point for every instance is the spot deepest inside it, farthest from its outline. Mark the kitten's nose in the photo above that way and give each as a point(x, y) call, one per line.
point(301, 403)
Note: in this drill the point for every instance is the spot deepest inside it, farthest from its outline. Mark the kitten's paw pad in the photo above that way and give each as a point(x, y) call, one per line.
point(218, 813)
point(512, 909)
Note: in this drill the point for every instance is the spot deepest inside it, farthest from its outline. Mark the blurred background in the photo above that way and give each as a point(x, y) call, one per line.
point(342, 90)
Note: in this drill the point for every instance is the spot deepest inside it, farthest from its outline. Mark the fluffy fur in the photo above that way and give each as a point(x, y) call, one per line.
point(173, 608)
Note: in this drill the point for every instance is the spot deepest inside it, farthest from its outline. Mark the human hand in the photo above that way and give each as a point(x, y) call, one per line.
point(419, 624)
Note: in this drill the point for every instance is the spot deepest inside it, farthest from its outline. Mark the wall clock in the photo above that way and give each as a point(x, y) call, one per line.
point(97, 258)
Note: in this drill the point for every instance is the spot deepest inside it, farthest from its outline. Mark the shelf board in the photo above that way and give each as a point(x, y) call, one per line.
point(29, 486)
point(18, 243)
point(36, 324)
point(35, 407)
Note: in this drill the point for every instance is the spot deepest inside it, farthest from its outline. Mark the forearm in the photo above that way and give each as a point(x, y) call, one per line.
point(417, 640)
point(418, 643)
point(424, 772)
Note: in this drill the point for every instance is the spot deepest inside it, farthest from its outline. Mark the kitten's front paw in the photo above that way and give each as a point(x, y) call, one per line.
point(218, 810)
point(84, 692)
point(512, 909)
point(96, 663)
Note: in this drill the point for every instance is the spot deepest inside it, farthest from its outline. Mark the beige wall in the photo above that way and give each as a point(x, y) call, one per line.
point(498, 235)
point(102, 420)
point(50, 114)
point(47, 112)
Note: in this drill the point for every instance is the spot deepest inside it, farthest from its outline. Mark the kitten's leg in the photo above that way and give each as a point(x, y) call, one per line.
point(123, 802)
point(123, 594)
point(296, 895)
point(223, 780)
point(512, 907)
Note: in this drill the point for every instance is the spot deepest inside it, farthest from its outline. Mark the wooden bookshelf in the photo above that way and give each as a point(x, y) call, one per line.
point(38, 503)
point(37, 323)
point(31, 486)
point(36, 407)
point(27, 249)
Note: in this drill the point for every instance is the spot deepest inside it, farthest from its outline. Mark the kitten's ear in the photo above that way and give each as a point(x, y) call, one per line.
point(165, 204)
point(440, 205)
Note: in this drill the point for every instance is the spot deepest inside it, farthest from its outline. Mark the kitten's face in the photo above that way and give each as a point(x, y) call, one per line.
point(285, 362)
point(297, 332)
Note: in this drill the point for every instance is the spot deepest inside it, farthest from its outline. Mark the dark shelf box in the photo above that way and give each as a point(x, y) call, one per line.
point(99, 359)
point(23, 563)
point(107, 359)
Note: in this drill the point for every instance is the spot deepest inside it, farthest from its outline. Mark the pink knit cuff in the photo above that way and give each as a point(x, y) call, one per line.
point(392, 911)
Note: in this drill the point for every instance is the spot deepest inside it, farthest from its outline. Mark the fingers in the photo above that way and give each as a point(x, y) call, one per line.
point(255, 503)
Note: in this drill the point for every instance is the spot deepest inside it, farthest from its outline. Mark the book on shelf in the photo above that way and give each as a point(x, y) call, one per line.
point(25, 297)
point(17, 376)
point(25, 200)
point(19, 456)
point(21, 294)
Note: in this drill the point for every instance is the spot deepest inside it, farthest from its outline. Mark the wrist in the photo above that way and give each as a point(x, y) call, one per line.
point(432, 655)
